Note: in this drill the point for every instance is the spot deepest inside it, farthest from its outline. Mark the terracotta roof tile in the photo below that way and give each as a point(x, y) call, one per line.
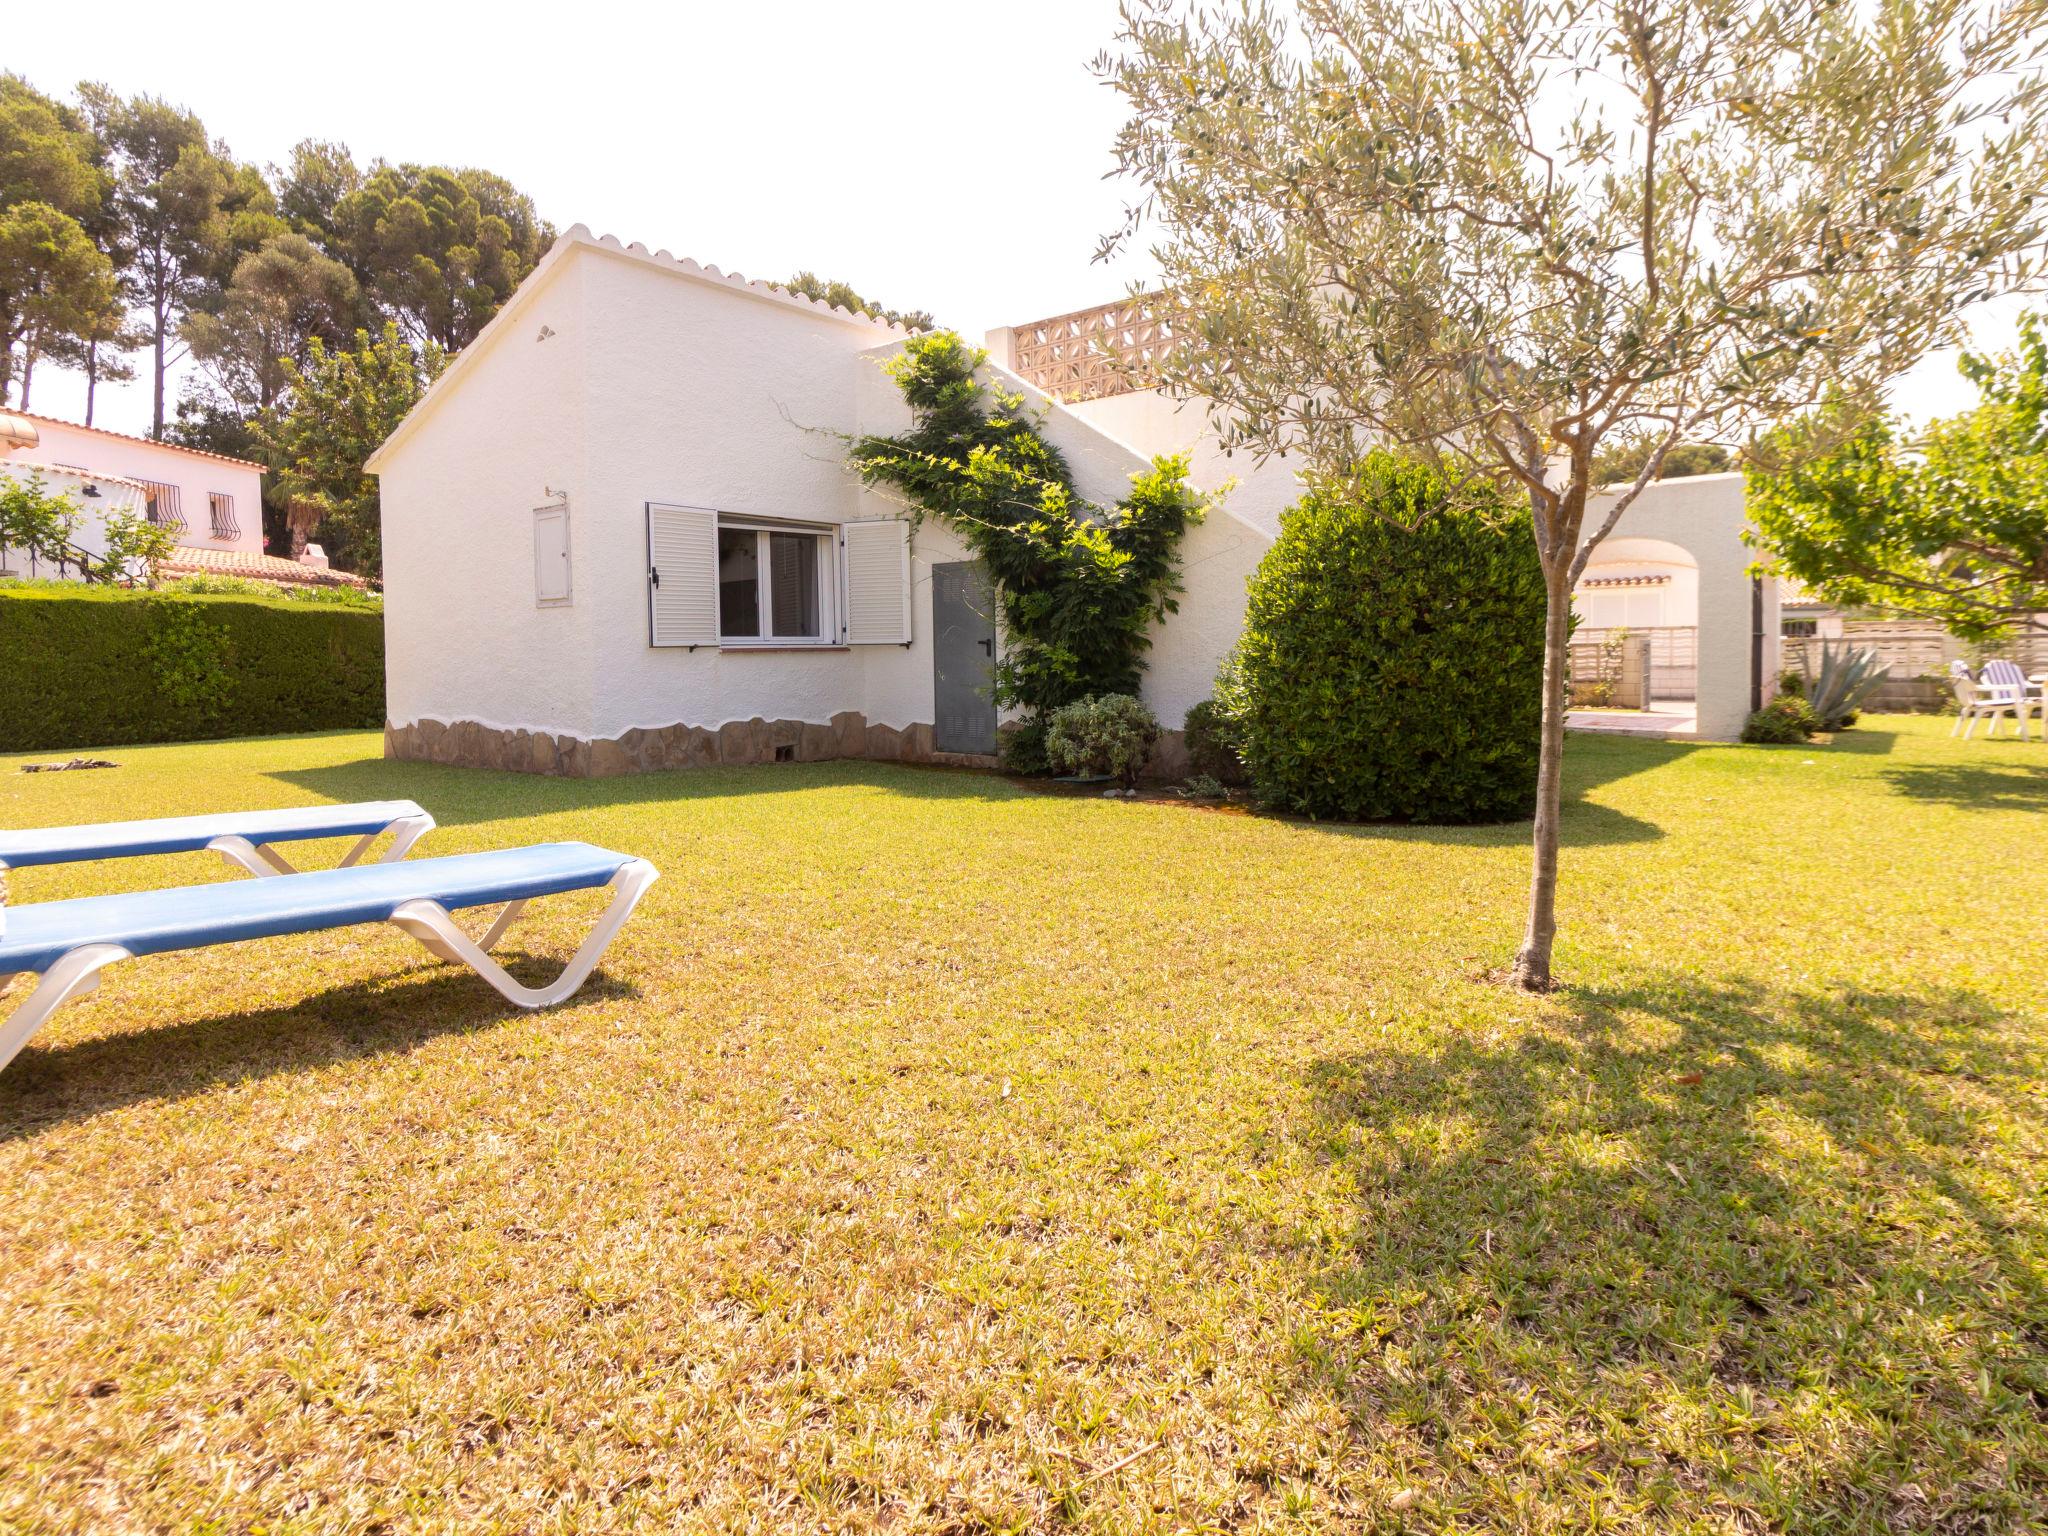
point(185, 561)
point(1624, 581)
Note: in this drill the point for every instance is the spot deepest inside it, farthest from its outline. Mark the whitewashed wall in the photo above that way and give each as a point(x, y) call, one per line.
point(1106, 442)
point(896, 683)
point(1216, 562)
point(1704, 516)
point(90, 533)
point(1153, 423)
point(619, 380)
point(651, 385)
point(1219, 554)
point(706, 395)
point(463, 636)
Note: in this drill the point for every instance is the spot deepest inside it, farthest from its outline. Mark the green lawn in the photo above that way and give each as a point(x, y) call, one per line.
point(938, 1155)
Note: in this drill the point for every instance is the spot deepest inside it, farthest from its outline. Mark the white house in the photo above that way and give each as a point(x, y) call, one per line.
point(97, 498)
point(619, 534)
point(209, 503)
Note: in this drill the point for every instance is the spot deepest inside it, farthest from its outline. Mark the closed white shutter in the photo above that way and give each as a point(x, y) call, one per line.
point(551, 555)
point(877, 582)
point(682, 575)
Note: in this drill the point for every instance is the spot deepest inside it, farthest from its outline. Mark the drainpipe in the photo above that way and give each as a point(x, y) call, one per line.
point(1756, 644)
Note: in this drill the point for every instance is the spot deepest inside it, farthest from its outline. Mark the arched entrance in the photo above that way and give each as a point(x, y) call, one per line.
point(1644, 594)
point(1676, 569)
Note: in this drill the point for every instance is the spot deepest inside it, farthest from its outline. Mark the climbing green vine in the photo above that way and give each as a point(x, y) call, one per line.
point(1077, 584)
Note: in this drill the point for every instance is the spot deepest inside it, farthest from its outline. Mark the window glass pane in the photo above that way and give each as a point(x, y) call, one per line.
point(793, 566)
point(739, 582)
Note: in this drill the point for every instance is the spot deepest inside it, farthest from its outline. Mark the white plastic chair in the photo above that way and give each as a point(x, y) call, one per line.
point(2001, 689)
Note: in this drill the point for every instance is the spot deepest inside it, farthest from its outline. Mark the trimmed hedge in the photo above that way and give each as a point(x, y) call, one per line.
point(1392, 672)
point(91, 667)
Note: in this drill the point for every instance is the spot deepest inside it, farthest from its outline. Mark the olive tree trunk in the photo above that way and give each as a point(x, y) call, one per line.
point(1532, 962)
point(1559, 516)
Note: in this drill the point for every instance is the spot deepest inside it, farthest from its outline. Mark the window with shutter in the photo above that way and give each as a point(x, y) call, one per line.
point(682, 575)
point(877, 561)
point(775, 583)
point(551, 587)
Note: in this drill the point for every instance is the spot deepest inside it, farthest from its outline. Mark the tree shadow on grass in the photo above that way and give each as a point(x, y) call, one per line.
point(1585, 824)
point(1709, 1248)
point(470, 796)
point(49, 1085)
point(1863, 741)
point(1974, 787)
point(1591, 761)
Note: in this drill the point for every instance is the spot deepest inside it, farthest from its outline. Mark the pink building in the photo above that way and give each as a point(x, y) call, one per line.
point(208, 501)
point(211, 504)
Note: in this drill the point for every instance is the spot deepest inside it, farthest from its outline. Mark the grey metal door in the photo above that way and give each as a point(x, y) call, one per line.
point(963, 658)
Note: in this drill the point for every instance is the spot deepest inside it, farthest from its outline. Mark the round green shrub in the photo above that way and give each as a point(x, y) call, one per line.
point(1391, 666)
point(1786, 720)
point(1211, 744)
point(1020, 748)
point(1105, 733)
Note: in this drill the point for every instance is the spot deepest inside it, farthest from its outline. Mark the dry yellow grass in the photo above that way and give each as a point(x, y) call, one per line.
point(935, 1155)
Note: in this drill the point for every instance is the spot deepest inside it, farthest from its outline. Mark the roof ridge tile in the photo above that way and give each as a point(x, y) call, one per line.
point(154, 442)
point(581, 234)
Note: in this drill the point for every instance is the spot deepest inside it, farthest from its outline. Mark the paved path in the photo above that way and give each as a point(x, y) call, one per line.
point(1666, 717)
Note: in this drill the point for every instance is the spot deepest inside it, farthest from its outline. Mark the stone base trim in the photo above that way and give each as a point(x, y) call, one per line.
point(470, 744)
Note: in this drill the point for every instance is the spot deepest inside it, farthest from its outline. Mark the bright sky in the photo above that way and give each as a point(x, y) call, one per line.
point(936, 155)
point(940, 156)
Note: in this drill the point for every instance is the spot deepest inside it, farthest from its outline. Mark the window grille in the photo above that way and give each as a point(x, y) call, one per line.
point(164, 509)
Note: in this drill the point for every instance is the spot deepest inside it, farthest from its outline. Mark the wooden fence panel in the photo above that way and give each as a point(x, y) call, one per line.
point(1670, 656)
point(1917, 656)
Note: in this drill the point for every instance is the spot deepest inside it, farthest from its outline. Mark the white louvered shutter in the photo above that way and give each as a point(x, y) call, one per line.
point(877, 582)
point(682, 575)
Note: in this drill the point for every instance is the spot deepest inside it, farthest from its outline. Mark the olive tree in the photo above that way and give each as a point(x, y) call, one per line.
point(1498, 233)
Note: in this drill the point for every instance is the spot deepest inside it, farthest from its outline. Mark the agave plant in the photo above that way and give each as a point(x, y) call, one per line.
point(1845, 679)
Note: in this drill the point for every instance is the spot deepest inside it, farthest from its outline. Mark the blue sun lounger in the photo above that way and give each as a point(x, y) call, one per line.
point(244, 838)
point(68, 943)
